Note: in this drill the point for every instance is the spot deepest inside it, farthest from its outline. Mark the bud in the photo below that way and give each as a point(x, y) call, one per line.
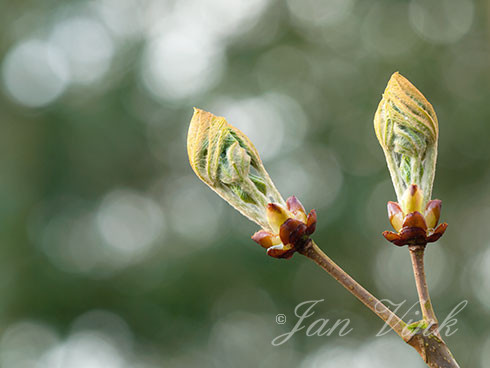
point(433, 212)
point(293, 231)
point(395, 214)
point(266, 239)
point(277, 215)
point(412, 199)
point(412, 227)
point(296, 208)
point(225, 159)
point(407, 129)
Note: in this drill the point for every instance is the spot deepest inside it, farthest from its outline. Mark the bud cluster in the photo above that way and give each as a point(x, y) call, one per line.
point(291, 228)
point(413, 227)
point(225, 159)
point(407, 129)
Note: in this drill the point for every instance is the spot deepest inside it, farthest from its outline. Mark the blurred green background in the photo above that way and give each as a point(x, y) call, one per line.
point(114, 255)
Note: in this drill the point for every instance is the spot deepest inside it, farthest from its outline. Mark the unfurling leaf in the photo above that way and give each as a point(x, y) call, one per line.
point(407, 129)
point(225, 159)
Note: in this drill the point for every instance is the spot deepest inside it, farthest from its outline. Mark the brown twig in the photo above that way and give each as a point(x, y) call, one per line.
point(427, 342)
point(417, 255)
point(312, 251)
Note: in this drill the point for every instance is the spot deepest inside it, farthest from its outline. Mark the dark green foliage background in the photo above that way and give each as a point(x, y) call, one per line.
point(202, 293)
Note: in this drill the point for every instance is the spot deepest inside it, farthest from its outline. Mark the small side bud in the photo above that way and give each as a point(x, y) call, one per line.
point(266, 239)
point(432, 213)
point(296, 208)
point(311, 222)
point(395, 215)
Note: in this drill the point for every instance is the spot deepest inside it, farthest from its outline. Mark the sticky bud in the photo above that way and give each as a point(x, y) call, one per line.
point(225, 159)
point(407, 129)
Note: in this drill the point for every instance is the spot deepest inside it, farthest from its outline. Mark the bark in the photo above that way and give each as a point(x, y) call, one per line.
point(427, 342)
point(312, 251)
point(433, 350)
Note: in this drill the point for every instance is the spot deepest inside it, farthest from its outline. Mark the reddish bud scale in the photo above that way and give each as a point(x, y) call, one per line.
point(264, 238)
point(395, 214)
point(293, 232)
point(414, 231)
point(433, 212)
point(311, 222)
point(294, 205)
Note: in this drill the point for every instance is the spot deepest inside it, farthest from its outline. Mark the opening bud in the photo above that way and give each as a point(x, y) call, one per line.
point(225, 159)
point(407, 129)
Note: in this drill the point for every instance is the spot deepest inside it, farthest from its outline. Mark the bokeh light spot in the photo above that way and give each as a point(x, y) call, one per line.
point(87, 45)
point(23, 343)
point(129, 222)
point(379, 353)
point(107, 323)
point(480, 278)
point(319, 12)
point(78, 237)
point(195, 212)
point(83, 350)
point(221, 18)
point(386, 30)
point(269, 121)
point(35, 73)
point(181, 63)
point(441, 21)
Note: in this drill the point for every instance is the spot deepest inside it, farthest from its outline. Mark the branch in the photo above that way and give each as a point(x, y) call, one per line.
point(433, 349)
point(312, 251)
point(427, 342)
point(417, 255)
